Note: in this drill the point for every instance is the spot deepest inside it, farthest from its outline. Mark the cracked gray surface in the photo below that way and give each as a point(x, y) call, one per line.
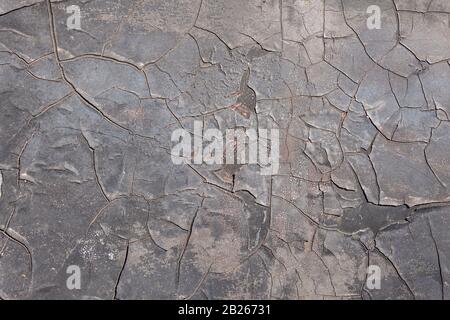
point(86, 176)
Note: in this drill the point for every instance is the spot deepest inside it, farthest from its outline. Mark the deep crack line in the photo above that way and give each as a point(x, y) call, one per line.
point(121, 270)
point(188, 237)
point(438, 258)
point(94, 164)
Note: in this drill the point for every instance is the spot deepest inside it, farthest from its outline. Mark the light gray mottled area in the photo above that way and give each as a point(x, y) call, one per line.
point(86, 176)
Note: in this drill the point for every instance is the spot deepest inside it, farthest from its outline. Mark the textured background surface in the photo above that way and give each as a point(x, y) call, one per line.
point(86, 175)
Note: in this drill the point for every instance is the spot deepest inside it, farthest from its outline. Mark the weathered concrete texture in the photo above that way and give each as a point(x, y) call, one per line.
point(86, 177)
